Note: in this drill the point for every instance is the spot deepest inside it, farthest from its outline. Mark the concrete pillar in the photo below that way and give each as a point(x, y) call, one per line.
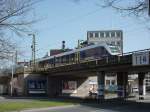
point(122, 82)
point(101, 85)
point(54, 86)
point(142, 90)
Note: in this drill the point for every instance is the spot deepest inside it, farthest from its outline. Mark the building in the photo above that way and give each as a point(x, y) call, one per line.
point(111, 37)
point(58, 51)
point(147, 82)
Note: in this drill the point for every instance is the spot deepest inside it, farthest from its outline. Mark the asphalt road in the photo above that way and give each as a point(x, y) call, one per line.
point(107, 106)
point(76, 108)
point(104, 107)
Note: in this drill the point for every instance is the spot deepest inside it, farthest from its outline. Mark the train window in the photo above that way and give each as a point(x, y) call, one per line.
point(114, 49)
point(57, 60)
point(82, 54)
point(67, 58)
point(51, 61)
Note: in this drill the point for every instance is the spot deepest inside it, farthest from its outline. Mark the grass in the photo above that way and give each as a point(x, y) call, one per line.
point(21, 105)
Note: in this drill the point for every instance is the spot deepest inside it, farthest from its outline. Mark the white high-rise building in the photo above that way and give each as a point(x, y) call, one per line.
point(110, 37)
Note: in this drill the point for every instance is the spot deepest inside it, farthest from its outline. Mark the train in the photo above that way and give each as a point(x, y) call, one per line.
point(97, 51)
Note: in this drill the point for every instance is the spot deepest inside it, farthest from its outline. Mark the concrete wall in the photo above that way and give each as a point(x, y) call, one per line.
point(18, 85)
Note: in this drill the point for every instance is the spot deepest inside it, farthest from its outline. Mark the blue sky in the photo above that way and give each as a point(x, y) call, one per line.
point(69, 21)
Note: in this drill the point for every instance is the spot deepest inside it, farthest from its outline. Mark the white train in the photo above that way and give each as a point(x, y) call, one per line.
point(98, 51)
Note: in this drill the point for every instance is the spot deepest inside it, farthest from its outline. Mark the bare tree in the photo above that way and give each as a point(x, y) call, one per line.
point(13, 18)
point(130, 7)
point(11, 12)
point(6, 47)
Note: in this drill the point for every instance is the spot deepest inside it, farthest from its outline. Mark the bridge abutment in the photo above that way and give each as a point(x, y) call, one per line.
point(54, 86)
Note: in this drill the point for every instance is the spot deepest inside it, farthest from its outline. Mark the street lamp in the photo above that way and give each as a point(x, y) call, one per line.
point(33, 49)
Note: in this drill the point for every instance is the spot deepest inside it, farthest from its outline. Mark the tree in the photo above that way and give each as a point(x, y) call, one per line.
point(13, 18)
point(137, 8)
point(130, 7)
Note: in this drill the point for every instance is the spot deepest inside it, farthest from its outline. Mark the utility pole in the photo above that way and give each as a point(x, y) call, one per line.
point(16, 57)
point(14, 63)
point(33, 49)
point(12, 76)
point(78, 53)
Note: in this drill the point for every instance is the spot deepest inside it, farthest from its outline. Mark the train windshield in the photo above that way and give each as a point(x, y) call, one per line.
point(114, 49)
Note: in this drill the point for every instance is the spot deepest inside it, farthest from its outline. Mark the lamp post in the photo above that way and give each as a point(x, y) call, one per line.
point(33, 49)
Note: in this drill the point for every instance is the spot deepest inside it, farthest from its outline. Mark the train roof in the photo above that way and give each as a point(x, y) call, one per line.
point(113, 50)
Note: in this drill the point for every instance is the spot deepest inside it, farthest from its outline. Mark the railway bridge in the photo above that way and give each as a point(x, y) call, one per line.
point(136, 62)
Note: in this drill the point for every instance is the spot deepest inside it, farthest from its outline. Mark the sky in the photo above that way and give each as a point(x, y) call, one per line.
point(66, 20)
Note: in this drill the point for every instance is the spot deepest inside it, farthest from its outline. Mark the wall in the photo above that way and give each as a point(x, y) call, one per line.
point(83, 84)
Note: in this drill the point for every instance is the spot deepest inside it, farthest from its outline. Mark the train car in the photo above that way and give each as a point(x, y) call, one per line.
point(98, 51)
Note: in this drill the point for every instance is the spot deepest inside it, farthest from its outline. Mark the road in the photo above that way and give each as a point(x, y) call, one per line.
point(105, 107)
point(88, 106)
point(75, 108)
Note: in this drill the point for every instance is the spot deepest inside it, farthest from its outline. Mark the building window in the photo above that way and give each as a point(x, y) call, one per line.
point(107, 82)
point(113, 82)
point(118, 43)
point(90, 34)
point(112, 34)
point(118, 34)
point(107, 34)
point(112, 43)
point(102, 34)
point(96, 35)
